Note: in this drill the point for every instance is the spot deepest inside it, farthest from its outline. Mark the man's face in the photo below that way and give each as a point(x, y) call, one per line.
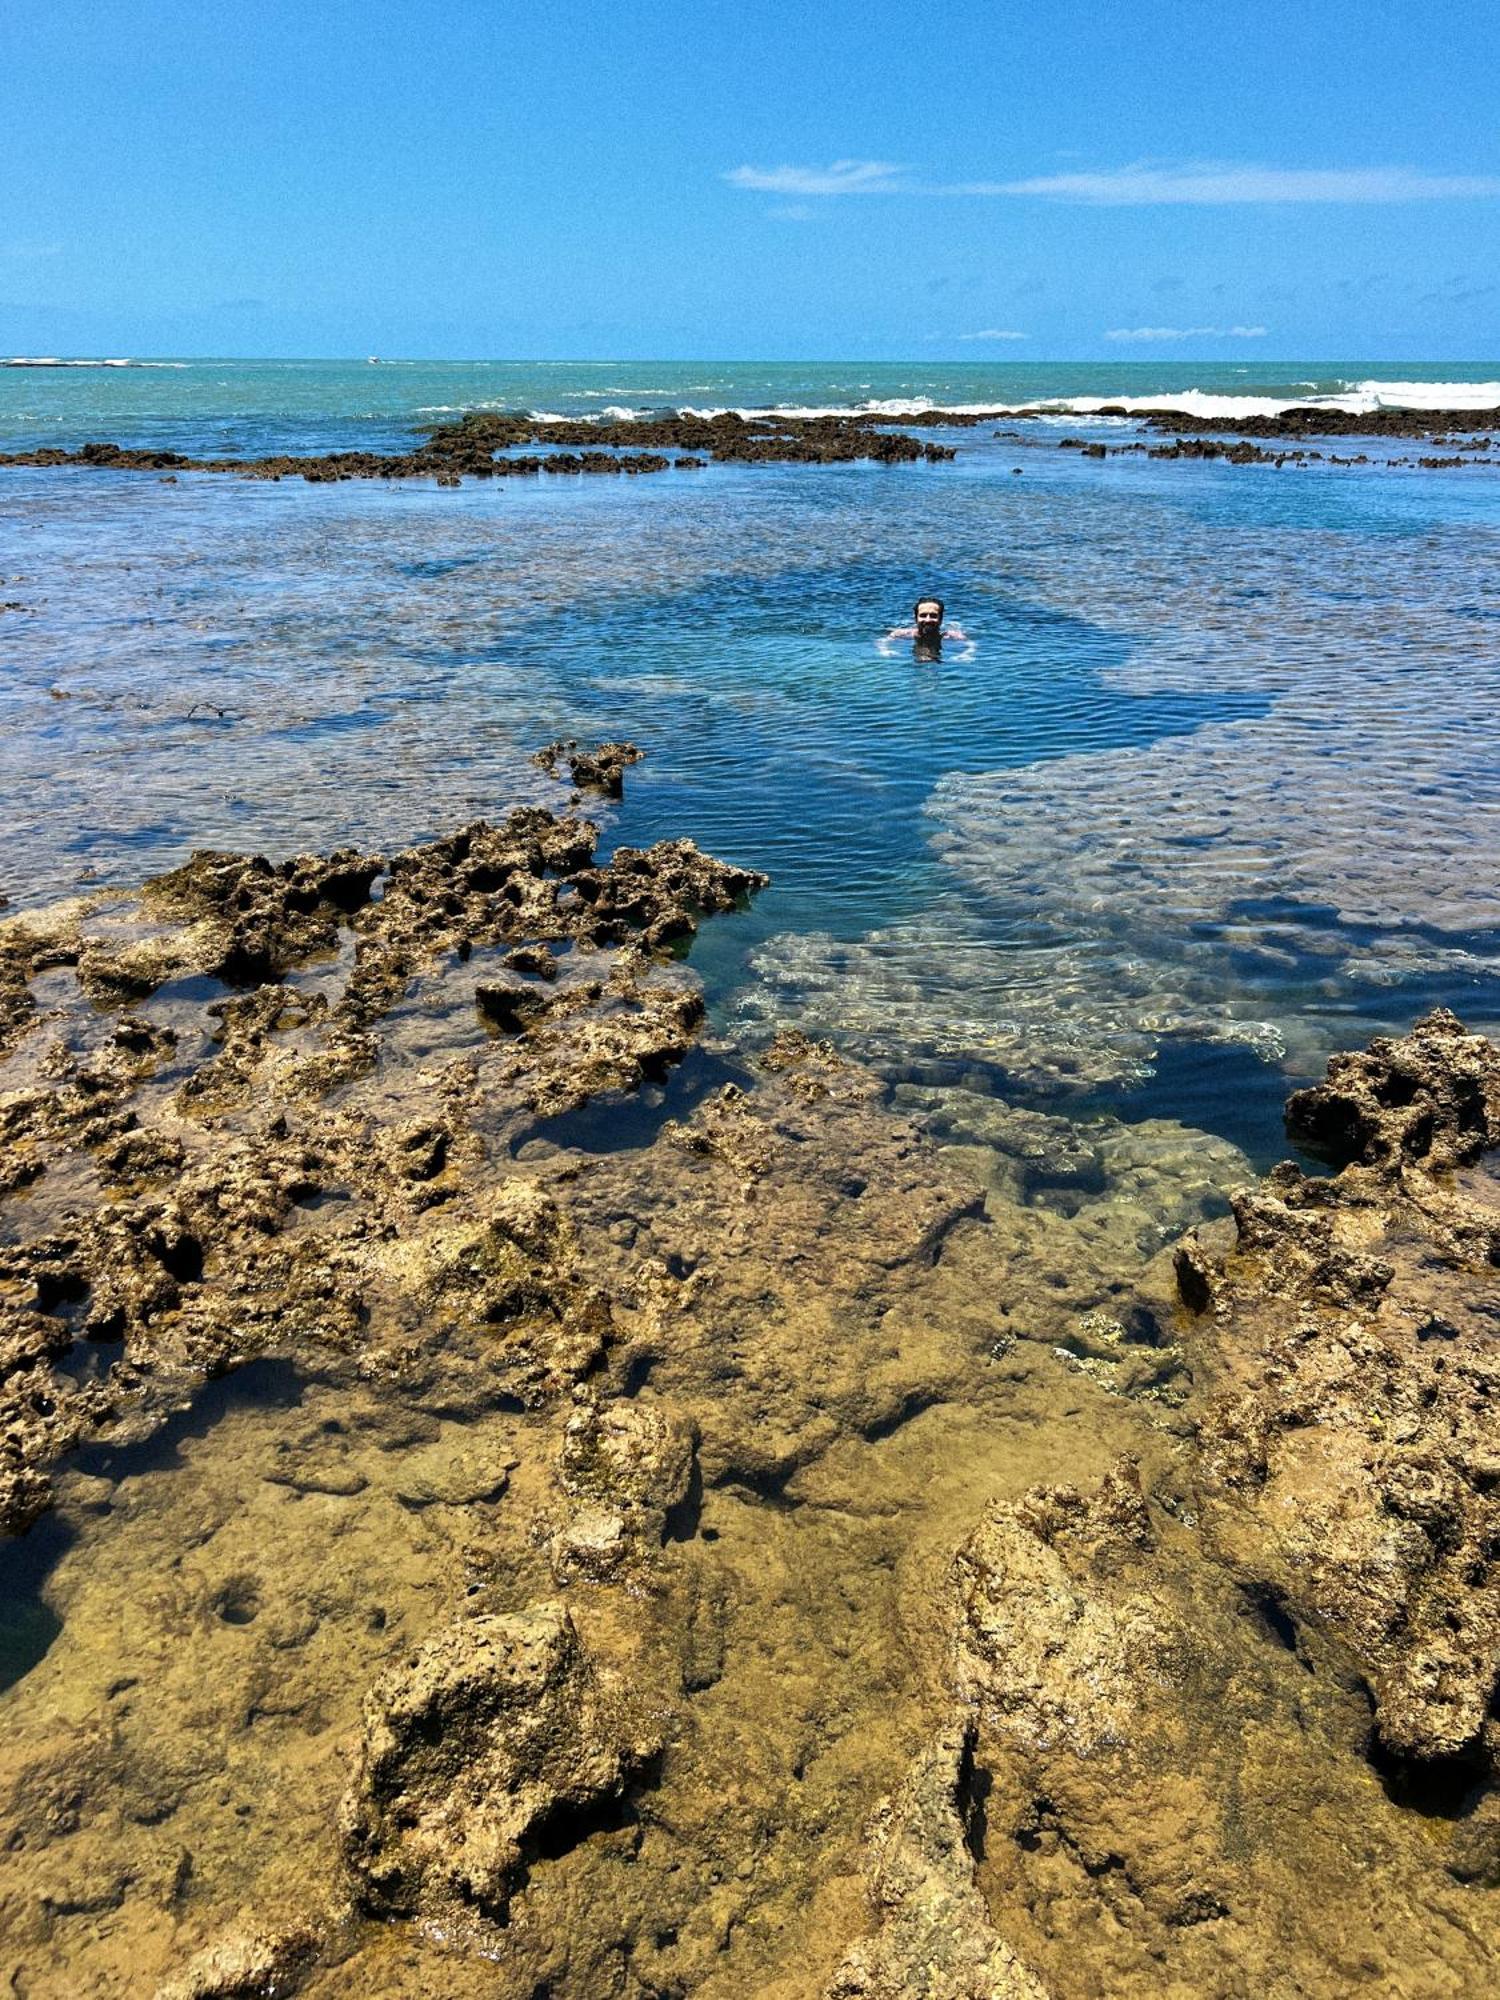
point(929, 619)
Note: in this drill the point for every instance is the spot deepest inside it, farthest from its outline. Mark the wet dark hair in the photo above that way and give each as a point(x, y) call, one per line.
point(928, 600)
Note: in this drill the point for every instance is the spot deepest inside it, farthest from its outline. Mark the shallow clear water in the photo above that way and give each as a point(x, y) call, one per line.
point(1217, 792)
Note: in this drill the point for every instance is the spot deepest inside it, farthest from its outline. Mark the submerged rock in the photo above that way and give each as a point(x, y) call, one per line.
point(1169, 1793)
point(247, 1965)
point(495, 1736)
point(935, 1937)
point(627, 1468)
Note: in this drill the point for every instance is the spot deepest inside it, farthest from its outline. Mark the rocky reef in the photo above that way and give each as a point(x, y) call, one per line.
point(601, 769)
point(193, 1255)
point(494, 1732)
point(1318, 420)
point(514, 1493)
point(1271, 1653)
point(491, 444)
point(1242, 452)
point(486, 445)
point(1345, 1351)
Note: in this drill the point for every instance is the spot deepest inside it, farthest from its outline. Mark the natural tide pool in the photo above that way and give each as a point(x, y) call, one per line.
point(1216, 792)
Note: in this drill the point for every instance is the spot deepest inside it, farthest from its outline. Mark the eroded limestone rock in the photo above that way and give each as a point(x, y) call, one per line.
point(246, 1965)
point(1172, 1796)
point(1431, 1098)
point(1349, 1379)
point(252, 1206)
point(497, 1733)
point(626, 1467)
point(601, 769)
point(935, 1939)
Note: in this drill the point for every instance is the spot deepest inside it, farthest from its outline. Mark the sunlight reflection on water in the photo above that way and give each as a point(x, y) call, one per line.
point(1196, 688)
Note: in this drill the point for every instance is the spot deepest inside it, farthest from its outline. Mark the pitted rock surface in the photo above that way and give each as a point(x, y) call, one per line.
point(1431, 1098)
point(935, 1938)
point(601, 769)
point(493, 1733)
point(1348, 1380)
point(250, 1206)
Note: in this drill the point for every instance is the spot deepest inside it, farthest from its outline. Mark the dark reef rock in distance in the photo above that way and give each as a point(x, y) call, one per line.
point(1318, 420)
point(474, 447)
point(486, 444)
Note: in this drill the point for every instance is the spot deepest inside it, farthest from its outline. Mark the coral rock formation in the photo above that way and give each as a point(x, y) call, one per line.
point(200, 1258)
point(1432, 1098)
point(601, 769)
point(935, 1938)
point(496, 1733)
point(1349, 1378)
point(577, 1499)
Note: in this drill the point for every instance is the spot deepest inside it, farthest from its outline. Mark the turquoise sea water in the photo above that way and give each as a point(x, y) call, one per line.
point(263, 406)
point(1218, 791)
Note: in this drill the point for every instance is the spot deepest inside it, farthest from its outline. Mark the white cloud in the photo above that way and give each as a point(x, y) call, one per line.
point(1211, 184)
point(842, 177)
point(994, 333)
point(1187, 333)
point(1144, 184)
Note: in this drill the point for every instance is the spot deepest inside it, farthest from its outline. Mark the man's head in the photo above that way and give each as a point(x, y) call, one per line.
point(928, 612)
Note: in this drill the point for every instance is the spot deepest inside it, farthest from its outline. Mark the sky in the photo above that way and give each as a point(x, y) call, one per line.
point(736, 179)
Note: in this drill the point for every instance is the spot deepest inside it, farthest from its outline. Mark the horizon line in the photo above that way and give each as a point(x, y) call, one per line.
point(100, 359)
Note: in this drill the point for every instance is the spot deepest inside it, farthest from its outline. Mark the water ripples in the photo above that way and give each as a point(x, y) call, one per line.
point(1220, 774)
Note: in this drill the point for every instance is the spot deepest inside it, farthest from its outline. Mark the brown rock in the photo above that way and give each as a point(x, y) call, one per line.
point(495, 1735)
point(1432, 1098)
point(935, 1938)
point(246, 1965)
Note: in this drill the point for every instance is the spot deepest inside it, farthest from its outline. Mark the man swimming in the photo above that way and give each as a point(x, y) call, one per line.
point(928, 632)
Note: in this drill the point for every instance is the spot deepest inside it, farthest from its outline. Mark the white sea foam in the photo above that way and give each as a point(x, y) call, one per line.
point(873, 406)
point(462, 409)
point(1357, 398)
point(650, 389)
point(57, 361)
point(1431, 395)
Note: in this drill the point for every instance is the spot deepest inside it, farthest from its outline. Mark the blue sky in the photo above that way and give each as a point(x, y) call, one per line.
point(649, 179)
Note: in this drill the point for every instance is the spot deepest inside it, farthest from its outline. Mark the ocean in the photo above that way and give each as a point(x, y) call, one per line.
point(1217, 792)
point(266, 406)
